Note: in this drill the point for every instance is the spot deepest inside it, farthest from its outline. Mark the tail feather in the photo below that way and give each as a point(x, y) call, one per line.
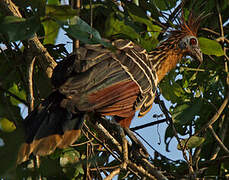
point(48, 127)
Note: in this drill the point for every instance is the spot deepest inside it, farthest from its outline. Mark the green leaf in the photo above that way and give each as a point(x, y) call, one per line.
point(117, 26)
point(53, 2)
point(19, 93)
point(190, 143)
point(62, 12)
point(79, 29)
point(171, 91)
point(7, 125)
point(184, 113)
point(210, 47)
point(148, 42)
point(19, 28)
point(138, 15)
point(51, 29)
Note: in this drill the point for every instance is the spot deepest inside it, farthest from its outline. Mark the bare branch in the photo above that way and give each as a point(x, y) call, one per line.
point(141, 170)
point(124, 149)
point(148, 125)
point(112, 174)
point(30, 85)
point(220, 19)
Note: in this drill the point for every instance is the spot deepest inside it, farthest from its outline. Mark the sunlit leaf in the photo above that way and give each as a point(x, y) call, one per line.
point(55, 12)
point(53, 2)
point(210, 47)
point(51, 29)
point(61, 12)
point(192, 142)
point(19, 93)
point(7, 125)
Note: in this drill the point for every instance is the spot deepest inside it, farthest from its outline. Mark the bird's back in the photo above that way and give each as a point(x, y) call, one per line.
point(112, 82)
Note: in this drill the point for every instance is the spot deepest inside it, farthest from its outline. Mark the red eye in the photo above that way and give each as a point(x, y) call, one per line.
point(193, 41)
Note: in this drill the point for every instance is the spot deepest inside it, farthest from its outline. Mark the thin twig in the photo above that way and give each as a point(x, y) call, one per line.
point(218, 139)
point(106, 168)
point(148, 125)
point(216, 116)
point(124, 148)
point(216, 33)
point(166, 113)
point(211, 31)
point(102, 143)
point(75, 5)
point(220, 19)
point(30, 84)
point(80, 144)
point(106, 146)
point(153, 148)
point(89, 152)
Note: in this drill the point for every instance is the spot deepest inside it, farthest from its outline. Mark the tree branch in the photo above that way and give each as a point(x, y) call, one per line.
point(216, 116)
point(30, 85)
point(218, 140)
point(166, 113)
point(112, 174)
point(148, 125)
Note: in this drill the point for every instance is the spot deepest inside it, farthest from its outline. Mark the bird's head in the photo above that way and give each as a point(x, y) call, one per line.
point(186, 35)
point(189, 45)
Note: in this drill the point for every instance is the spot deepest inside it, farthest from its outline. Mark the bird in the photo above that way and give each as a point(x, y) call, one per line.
point(114, 83)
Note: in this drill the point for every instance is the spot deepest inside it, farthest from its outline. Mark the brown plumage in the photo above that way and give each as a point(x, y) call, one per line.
point(115, 83)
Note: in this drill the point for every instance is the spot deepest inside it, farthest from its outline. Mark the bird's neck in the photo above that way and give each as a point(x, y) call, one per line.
point(164, 58)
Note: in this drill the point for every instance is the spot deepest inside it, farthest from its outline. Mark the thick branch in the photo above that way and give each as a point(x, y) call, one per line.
point(112, 174)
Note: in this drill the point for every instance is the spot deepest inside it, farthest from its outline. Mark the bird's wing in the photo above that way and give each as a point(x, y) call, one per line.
point(115, 82)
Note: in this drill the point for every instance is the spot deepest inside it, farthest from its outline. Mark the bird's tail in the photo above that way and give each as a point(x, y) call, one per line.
point(51, 125)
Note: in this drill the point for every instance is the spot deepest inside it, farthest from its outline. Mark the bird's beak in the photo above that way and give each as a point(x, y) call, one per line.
point(197, 54)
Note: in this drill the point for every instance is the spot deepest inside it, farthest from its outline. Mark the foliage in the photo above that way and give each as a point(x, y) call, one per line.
point(196, 92)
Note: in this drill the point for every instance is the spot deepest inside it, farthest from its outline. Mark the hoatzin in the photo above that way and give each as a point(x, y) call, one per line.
point(96, 79)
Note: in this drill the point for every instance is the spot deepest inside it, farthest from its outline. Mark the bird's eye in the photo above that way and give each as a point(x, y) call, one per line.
point(193, 41)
